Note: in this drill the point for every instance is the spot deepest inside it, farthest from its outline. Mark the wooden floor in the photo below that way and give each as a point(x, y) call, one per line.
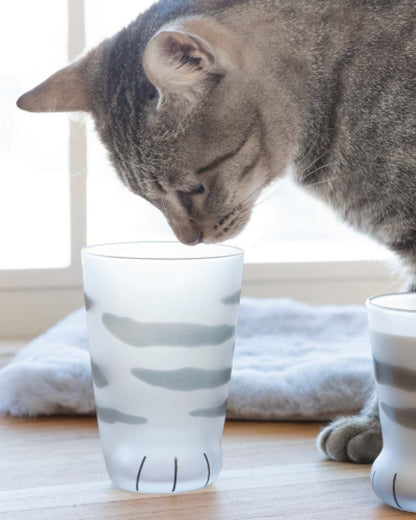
point(52, 469)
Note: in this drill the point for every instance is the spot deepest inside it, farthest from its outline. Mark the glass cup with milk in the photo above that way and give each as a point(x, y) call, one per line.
point(161, 322)
point(392, 320)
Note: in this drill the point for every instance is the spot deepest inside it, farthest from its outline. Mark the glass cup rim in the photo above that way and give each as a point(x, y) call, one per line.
point(371, 302)
point(233, 251)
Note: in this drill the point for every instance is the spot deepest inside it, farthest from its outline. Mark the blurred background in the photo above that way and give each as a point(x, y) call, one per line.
point(58, 192)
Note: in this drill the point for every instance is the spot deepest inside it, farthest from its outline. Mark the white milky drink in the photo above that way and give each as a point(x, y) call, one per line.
point(161, 325)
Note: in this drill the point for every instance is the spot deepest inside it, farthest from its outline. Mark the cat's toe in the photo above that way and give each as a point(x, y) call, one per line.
point(351, 439)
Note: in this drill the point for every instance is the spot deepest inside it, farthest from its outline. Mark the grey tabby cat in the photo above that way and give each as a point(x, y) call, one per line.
point(202, 103)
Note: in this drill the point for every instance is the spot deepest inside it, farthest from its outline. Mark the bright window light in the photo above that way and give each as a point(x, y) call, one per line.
point(34, 178)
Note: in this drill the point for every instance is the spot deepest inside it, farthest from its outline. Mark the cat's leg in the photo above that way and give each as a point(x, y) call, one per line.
point(355, 438)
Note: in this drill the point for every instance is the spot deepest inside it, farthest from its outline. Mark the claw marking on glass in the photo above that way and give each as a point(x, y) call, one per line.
point(111, 416)
point(88, 302)
point(98, 377)
point(175, 476)
point(183, 379)
point(138, 474)
point(393, 375)
point(140, 334)
point(372, 480)
point(394, 491)
point(216, 411)
point(175, 472)
point(233, 299)
point(404, 416)
point(209, 469)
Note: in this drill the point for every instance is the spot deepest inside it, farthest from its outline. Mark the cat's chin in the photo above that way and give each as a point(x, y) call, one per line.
point(218, 236)
point(219, 240)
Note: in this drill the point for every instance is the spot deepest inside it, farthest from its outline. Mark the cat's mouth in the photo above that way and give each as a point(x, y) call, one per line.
point(222, 229)
point(229, 225)
point(201, 227)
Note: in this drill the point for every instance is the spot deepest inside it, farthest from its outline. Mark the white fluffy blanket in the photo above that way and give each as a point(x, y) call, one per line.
point(292, 361)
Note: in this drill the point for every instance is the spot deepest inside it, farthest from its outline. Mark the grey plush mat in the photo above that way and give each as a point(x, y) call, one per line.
point(292, 361)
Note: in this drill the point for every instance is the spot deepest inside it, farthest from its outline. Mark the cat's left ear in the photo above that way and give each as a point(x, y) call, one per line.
point(65, 91)
point(177, 62)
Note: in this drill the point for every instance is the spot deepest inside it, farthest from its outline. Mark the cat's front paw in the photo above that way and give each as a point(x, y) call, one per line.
point(351, 439)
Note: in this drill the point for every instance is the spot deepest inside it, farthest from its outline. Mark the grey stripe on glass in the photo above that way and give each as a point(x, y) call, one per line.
point(216, 411)
point(140, 334)
point(396, 376)
point(404, 416)
point(232, 299)
point(111, 416)
point(88, 302)
point(98, 377)
point(183, 379)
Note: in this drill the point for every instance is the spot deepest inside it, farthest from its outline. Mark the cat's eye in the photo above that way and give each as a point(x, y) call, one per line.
point(185, 197)
point(195, 190)
point(151, 94)
point(159, 186)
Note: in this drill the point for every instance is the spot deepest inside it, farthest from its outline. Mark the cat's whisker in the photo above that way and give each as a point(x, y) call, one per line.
point(325, 181)
point(317, 170)
point(267, 181)
point(262, 185)
point(164, 207)
point(285, 188)
point(310, 148)
point(299, 174)
point(268, 199)
point(280, 188)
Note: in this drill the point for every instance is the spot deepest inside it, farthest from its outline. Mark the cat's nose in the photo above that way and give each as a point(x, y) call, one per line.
point(187, 231)
point(194, 242)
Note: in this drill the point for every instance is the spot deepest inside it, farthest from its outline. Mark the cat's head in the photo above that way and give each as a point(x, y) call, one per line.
point(179, 115)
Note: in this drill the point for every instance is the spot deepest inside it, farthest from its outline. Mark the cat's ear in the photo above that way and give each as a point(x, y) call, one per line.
point(177, 62)
point(65, 91)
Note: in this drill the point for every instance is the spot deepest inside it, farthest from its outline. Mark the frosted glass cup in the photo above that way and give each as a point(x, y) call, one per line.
point(392, 320)
point(161, 325)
